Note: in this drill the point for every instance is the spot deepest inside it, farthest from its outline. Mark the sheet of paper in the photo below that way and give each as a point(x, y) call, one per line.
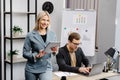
point(50, 45)
point(60, 74)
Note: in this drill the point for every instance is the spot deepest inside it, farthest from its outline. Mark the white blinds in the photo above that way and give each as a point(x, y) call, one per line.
point(82, 4)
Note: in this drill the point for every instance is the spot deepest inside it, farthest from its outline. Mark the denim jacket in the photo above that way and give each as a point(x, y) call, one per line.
point(32, 45)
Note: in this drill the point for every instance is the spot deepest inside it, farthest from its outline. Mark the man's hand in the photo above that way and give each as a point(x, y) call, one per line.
point(85, 69)
point(89, 68)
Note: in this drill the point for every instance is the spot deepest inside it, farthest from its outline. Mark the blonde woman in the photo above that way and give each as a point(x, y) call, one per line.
point(38, 62)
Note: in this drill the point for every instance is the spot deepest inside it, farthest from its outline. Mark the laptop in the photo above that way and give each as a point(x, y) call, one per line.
point(96, 69)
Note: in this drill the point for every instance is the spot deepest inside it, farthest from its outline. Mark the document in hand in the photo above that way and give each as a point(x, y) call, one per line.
point(50, 45)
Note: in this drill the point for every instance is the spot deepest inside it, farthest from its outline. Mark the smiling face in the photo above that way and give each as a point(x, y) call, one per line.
point(44, 22)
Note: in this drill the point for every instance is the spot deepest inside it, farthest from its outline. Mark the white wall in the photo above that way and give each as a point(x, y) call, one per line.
point(106, 27)
point(117, 35)
point(55, 15)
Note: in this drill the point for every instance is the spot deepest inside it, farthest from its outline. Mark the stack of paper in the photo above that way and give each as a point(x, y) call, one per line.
point(60, 74)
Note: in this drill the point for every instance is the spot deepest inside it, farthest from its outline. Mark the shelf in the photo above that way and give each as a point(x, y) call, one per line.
point(19, 12)
point(18, 37)
point(12, 15)
point(19, 60)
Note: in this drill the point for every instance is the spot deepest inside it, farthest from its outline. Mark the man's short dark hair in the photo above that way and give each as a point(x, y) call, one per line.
point(74, 35)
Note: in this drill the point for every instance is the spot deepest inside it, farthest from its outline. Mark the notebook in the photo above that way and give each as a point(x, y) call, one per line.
point(96, 69)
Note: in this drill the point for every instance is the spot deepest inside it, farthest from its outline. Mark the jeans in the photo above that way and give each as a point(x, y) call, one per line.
point(38, 76)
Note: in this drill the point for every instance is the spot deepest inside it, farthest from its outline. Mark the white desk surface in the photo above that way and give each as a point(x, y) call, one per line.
point(82, 77)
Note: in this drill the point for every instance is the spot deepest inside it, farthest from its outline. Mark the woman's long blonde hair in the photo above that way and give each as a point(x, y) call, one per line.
point(39, 16)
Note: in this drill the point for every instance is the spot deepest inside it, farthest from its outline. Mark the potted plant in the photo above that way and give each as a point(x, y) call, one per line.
point(16, 30)
point(14, 53)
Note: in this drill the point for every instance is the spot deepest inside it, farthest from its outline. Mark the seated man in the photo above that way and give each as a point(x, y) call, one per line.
point(70, 58)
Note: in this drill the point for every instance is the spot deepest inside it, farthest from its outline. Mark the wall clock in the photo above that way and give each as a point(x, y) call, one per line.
point(48, 6)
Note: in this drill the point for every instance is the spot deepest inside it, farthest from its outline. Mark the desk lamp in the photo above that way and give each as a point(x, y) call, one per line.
point(113, 59)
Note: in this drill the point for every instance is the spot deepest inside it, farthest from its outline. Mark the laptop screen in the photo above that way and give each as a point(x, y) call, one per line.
point(96, 69)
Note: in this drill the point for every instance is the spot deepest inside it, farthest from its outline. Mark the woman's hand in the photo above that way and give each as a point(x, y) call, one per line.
point(41, 54)
point(54, 49)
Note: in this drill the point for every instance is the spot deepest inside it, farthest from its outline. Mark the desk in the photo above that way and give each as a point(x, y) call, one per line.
point(82, 77)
